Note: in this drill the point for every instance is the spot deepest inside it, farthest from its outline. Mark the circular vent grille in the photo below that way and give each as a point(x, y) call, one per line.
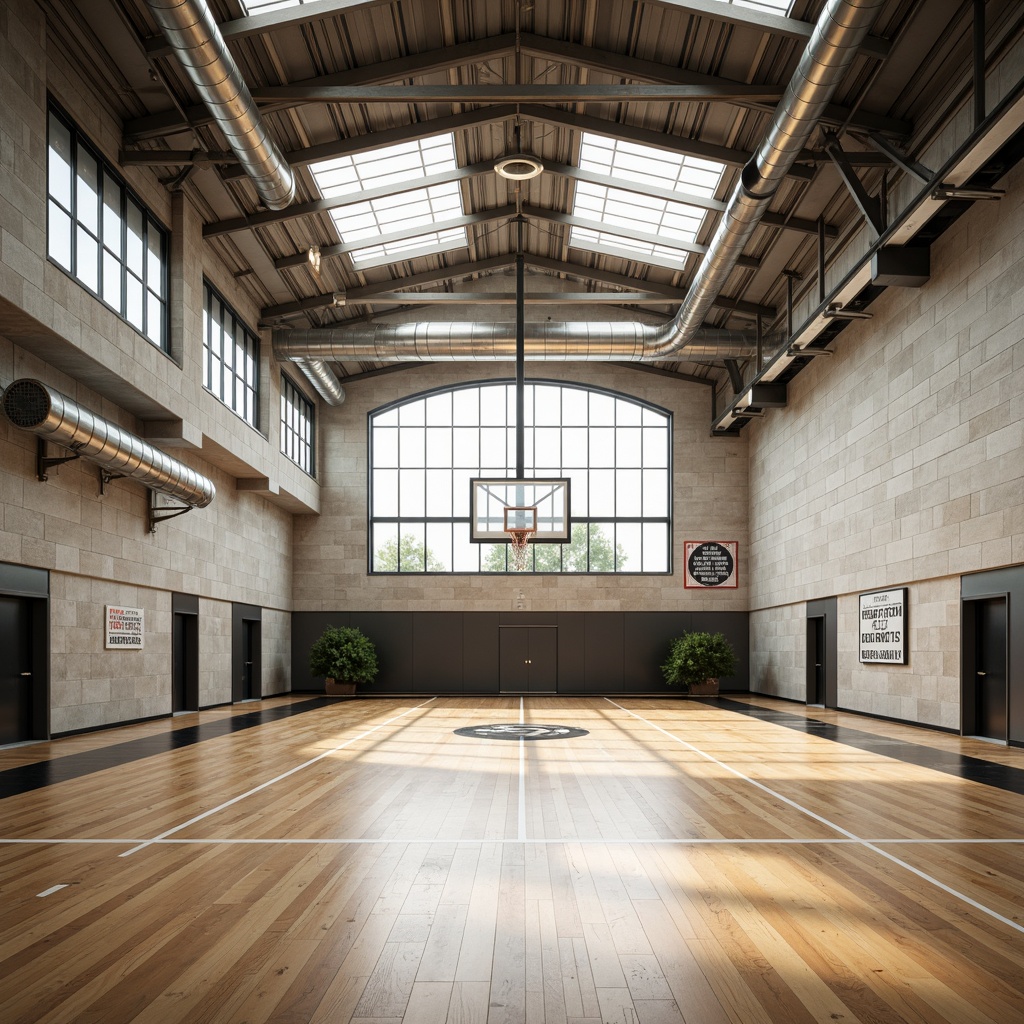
point(26, 403)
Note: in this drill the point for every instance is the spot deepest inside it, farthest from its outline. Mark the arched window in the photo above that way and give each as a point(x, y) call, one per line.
point(616, 451)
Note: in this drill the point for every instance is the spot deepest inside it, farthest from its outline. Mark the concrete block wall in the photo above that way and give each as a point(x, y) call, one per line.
point(900, 462)
point(709, 503)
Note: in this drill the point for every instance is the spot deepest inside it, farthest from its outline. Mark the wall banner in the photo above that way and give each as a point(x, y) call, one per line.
point(711, 563)
point(124, 628)
point(883, 627)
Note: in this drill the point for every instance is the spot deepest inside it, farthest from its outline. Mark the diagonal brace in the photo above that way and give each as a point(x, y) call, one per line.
point(870, 206)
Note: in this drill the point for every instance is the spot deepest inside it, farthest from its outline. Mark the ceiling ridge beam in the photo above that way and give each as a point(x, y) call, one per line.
point(543, 93)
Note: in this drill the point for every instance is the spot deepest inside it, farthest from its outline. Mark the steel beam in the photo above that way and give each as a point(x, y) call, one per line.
point(469, 93)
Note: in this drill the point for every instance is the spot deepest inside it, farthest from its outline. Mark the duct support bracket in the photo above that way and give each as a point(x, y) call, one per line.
point(161, 513)
point(45, 462)
point(106, 478)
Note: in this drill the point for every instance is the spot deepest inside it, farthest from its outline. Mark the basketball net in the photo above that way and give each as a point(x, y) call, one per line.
point(519, 541)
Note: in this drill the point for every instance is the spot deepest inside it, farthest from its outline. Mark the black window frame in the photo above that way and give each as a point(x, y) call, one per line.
point(250, 346)
point(111, 251)
point(293, 397)
point(565, 550)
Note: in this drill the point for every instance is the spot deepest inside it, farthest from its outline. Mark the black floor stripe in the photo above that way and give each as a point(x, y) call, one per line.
point(27, 777)
point(974, 769)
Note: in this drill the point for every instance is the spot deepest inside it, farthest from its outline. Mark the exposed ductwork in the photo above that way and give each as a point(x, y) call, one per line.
point(458, 342)
point(840, 30)
point(323, 379)
point(838, 34)
point(198, 44)
point(36, 407)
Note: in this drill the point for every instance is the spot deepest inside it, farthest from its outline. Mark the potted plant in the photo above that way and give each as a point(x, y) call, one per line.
point(345, 656)
point(697, 660)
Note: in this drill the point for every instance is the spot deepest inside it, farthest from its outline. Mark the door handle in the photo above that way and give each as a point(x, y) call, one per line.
point(23, 674)
point(981, 673)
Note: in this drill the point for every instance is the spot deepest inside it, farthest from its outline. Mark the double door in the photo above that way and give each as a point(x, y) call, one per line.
point(528, 659)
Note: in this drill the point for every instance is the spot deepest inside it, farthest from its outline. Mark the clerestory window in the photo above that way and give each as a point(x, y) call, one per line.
point(425, 450)
point(102, 234)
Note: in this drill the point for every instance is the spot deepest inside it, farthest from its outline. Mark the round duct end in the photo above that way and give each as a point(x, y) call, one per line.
point(26, 403)
point(519, 167)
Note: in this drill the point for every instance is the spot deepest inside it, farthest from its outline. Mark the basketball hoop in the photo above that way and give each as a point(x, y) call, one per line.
point(518, 541)
point(520, 525)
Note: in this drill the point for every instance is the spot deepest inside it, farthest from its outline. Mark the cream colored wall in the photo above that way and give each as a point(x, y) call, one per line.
point(98, 548)
point(709, 502)
point(900, 461)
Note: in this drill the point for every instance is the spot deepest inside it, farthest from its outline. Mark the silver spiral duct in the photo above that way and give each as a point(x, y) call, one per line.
point(323, 379)
point(198, 44)
point(839, 32)
point(34, 406)
point(466, 342)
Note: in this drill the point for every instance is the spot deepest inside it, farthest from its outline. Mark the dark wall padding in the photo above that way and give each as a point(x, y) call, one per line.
point(457, 652)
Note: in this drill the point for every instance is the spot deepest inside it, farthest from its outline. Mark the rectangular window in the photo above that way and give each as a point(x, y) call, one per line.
point(297, 426)
point(231, 358)
point(102, 235)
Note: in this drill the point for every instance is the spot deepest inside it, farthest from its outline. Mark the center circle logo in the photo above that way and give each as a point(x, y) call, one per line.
point(520, 731)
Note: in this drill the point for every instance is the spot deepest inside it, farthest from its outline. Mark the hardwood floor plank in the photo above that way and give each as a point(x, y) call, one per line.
point(428, 1003)
point(469, 1002)
point(477, 952)
point(440, 959)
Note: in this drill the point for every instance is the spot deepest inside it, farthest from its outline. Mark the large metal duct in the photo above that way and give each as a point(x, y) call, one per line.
point(323, 379)
point(839, 32)
point(198, 44)
point(34, 406)
point(458, 342)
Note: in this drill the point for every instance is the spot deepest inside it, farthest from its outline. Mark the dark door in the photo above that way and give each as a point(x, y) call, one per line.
point(250, 637)
point(816, 655)
point(15, 670)
point(990, 668)
point(528, 659)
point(185, 663)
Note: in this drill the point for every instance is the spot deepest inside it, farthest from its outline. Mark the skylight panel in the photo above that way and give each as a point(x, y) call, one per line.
point(409, 216)
point(262, 6)
point(634, 213)
point(775, 6)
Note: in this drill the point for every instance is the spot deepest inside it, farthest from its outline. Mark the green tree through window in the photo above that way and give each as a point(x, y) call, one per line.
point(408, 554)
point(570, 557)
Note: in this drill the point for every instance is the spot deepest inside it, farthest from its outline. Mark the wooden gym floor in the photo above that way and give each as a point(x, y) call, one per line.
point(301, 860)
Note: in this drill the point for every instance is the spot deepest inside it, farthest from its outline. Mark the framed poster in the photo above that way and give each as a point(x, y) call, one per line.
point(711, 564)
point(883, 627)
point(123, 628)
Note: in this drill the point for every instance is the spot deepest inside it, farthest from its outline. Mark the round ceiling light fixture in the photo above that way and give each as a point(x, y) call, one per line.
point(519, 167)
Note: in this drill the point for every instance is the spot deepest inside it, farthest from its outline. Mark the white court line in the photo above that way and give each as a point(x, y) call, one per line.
point(415, 840)
point(522, 777)
point(271, 782)
point(51, 890)
point(868, 844)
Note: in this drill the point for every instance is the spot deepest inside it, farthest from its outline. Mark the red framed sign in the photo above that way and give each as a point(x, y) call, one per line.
point(711, 564)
